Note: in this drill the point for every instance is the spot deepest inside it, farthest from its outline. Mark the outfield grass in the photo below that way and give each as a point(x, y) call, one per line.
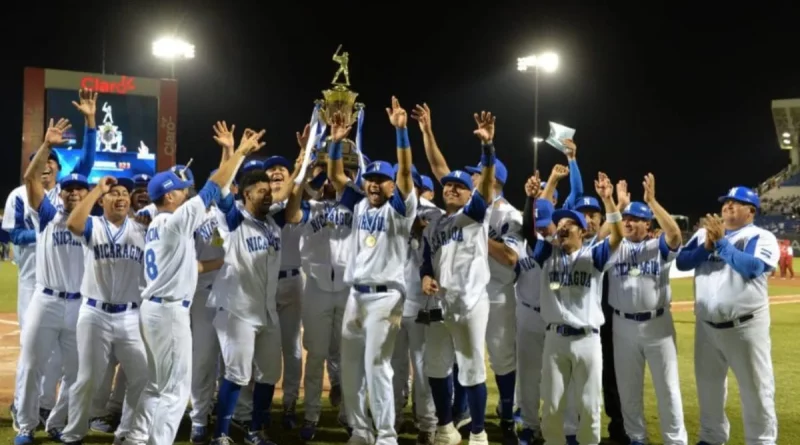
point(785, 331)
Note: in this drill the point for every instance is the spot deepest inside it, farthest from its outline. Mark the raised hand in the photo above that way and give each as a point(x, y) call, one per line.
point(649, 185)
point(570, 148)
point(603, 187)
point(422, 114)
point(430, 286)
point(251, 142)
point(485, 130)
point(533, 186)
point(88, 102)
point(223, 135)
point(106, 183)
point(397, 115)
point(340, 128)
point(302, 138)
point(623, 196)
point(560, 171)
point(55, 132)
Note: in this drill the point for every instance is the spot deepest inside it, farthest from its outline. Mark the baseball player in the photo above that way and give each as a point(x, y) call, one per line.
point(52, 312)
point(455, 268)
point(731, 258)
point(247, 323)
point(427, 188)
point(571, 307)
point(382, 220)
point(639, 294)
point(139, 196)
point(108, 322)
point(171, 272)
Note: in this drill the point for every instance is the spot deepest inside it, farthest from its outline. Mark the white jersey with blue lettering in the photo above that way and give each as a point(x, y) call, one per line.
point(457, 254)
point(150, 210)
point(721, 294)
point(529, 278)
point(380, 239)
point(17, 215)
point(638, 280)
point(170, 260)
point(505, 226)
point(113, 260)
point(59, 253)
point(325, 241)
point(572, 284)
point(290, 241)
point(208, 244)
point(415, 299)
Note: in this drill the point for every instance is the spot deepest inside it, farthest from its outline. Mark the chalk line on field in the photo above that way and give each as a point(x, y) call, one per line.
point(9, 322)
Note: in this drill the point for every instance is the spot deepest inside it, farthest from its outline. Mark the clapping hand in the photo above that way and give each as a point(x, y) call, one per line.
point(251, 142)
point(223, 135)
point(485, 130)
point(422, 114)
point(603, 187)
point(339, 127)
point(397, 115)
point(88, 102)
point(533, 186)
point(55, 133)
point(649, 185)
point(623, 195)
point(715, 230)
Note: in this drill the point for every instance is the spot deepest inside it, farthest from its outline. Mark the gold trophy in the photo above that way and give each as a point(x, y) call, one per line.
point(340, 99)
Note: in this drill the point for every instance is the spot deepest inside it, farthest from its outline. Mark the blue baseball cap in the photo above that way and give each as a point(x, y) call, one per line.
point(187, 173)
point(141, 180)
point(543, 213)
point(588, 203)
point(378, 168)
point(427, 182)
point(165, 182)
point(253, 164)
point(744, 195)
point(458, 176)
point(74, 180)
point(639, 210)
point(125, 182)
point(500, 171)
point(275, 161)
point(574, 215)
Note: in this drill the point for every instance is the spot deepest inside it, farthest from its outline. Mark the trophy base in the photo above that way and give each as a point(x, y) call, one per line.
point(350, 157)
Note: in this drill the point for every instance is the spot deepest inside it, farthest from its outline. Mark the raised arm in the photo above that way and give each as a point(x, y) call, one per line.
point(87, 105)
point(672, 233)
point(224, 138)
point(339, 130)
point(294, 212)
point(399, 119)
point(33, 175)
point(604, 191)
point(76, 223)
point(532, 187)
point(485, 133)
point(575, 179)
point(558, 173)
point(436, 160)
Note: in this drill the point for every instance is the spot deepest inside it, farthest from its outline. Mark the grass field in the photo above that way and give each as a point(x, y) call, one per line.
point(785, 331)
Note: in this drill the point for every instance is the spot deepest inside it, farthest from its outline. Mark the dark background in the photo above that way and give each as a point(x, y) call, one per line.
point(680, 91)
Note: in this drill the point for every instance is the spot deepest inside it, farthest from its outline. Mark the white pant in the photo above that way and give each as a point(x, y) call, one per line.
point(370, 325)
point(99, 336)
point(745, 349)
point(575, 361)
point(501, 329)
point(49, 324)
point(530, 347)
point(288, 299)
point(205, 355)
point(458, 340)
point(110, 396)
point(322, 334)
point(410, 342)
point(651, 342)
point(168, 341)
point(248, 351)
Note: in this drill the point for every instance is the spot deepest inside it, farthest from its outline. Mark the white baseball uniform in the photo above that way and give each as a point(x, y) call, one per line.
point(571, 294)
point(108, 321)
point(640, 294)
point(410, 342)
point(170, 270)
point(52, 314)
point(372, 317)
point(732, 331)
point(325, 250)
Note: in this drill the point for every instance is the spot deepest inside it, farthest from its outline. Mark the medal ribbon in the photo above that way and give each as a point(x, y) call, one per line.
point(114, 237)
point(635, 249)
point(565, 263)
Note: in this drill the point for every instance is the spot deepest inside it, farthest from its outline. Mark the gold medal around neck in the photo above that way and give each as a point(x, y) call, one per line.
point(555, 286)
point(371, 241)
point(634, 272)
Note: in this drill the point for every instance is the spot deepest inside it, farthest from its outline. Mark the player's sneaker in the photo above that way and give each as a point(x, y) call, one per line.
point(426, 438)
point(509, 429)
point(257, 438)
point(335, 395)
point(107, 424)
point(308, 430)
point(12, 410)
point(24, 438)
point(572, 440)
point(447, 435)
point(223, 440)
point(199, 434)
point(479, 438)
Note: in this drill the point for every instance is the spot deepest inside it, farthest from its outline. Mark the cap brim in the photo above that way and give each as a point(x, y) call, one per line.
point(472, 170)
point(74, 183)
point(461, 181)
point(560, 214)
point(741, 201)
point(637, 215)
point(376, 174)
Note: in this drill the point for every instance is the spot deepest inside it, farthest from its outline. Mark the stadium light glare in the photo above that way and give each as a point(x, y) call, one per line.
point(172, 48)
point(547, 62)
point(536, 140)
point(787, 141)
point(786, 134)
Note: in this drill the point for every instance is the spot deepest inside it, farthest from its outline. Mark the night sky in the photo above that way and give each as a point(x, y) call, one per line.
point(648, 89)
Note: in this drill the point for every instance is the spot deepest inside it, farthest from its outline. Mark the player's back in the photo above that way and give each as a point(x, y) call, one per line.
point(170, 268)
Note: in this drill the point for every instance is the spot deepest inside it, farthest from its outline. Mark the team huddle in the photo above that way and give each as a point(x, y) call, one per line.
point(144, 296)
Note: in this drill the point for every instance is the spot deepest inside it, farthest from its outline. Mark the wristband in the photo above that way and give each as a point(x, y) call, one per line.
point(614, 217)
point(487, 159)
point(402, 138)
point(335, 151)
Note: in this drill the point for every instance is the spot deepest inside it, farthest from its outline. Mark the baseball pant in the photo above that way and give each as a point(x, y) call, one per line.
point(530, 347)
point(50, 324)
point(100, 335)
point(501, 337)
point(205, 354)
point(369, 329)
point(458, 340)
point(322, 327)
point(109, 398)
point(167, 336)
point(410, 344)
point(746, 350)
point(289, 305)
point(611, 401)
point(248, 351)
point(652, 342)
point(575, 361)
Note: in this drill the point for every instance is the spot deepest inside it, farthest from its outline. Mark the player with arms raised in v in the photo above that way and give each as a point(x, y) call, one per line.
point(171, 272)
point(456, 267)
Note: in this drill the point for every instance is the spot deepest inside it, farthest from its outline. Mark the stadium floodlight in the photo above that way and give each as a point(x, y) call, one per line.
point(547, 62)
point(172, 48)
point(537, 139)
point(786, 134)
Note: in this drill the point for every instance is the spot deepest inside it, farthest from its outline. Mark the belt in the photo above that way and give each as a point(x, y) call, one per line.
point(730, 324)
point(569, 331)
point(64, 295)
point(111, 308)
point(288, 273)
point(641, 316)
point(159, 300)
point(529, 306)
point(370, 289)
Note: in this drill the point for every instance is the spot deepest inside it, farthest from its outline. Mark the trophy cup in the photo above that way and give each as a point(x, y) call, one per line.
point(340, 99)
point(427, 315)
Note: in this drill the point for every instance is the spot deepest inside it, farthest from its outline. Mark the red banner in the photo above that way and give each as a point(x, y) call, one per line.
point(32, 115)
point(167, 125)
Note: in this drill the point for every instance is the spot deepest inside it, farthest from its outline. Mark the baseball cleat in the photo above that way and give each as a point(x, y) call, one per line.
point(447, 435)
point(309, 430)
point(478, 439)
point(105, 424)
point(12, 411)
point(335, 395)
point(24, 438)
point(199, 434)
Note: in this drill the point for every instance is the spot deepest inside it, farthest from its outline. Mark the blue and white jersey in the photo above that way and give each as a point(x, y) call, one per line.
point(457, 254)
point(638, 280)
point(17, 221)
point(290, 239)
point(113, 260)
point(59, 253)
point(208, 244)
point(528, 289)
point(505, 226)
point(415, 299)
